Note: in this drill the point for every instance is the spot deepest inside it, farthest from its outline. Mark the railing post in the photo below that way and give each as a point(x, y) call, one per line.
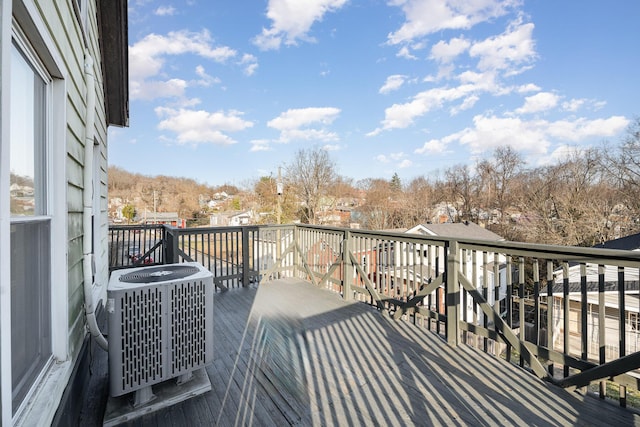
point(171, 245)
point(245, 257)
point(279, 259)
point(296, 254)
point(453, 293)
point(347, 268)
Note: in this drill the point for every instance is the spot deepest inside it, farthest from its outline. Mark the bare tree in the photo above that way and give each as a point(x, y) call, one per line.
point(623, 164)
point(460, 188)
point(376, 211)
point(310, 175)
point(418, 201)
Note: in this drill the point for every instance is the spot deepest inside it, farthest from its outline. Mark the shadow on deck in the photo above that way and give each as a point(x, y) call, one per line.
point(291, 354)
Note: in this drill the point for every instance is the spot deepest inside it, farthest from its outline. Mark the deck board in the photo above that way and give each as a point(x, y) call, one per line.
point(291, 354)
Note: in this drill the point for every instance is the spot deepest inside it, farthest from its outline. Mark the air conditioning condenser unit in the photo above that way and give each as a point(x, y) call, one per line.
point(160, 324)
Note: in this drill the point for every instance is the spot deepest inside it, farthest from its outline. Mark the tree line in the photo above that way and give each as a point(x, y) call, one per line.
point(589, 196)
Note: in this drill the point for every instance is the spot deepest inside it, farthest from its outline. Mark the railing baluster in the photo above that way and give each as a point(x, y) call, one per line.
point(550, 304)
point(521, 308)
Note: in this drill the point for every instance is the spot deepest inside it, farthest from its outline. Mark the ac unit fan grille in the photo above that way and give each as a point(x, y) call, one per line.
point(159, 274)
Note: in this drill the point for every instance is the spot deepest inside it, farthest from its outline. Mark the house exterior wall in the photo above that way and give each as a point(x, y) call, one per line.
point(611, 326)
point(61, 32)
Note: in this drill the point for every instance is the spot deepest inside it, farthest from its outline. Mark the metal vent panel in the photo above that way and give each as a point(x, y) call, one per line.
point(158, 331)
point(188, 320)
point(142, 347)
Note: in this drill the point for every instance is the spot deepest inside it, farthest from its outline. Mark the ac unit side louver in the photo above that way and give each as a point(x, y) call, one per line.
point(160, 322)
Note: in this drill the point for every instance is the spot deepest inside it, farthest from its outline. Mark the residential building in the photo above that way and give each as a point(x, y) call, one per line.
point(613, 279)
point(227, 219)
point(64, 80)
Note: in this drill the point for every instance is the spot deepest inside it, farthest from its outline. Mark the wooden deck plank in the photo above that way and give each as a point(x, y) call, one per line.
point(291, 354)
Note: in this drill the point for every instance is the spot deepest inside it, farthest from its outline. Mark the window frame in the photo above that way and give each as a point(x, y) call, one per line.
point(28, 30)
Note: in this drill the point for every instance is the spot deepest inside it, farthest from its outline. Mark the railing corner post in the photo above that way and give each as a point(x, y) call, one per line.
point(171, 245)
point(347, 268)
point(453, 294)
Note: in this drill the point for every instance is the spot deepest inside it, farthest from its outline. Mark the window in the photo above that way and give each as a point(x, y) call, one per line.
point(30, 223)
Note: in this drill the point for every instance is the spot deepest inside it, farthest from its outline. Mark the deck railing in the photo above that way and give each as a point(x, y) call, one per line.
point(568, 314)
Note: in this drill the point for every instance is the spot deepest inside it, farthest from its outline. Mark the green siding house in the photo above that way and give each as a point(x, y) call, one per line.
point(63, 81)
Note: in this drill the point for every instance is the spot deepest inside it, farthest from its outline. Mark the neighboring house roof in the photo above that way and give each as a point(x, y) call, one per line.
point(631, 276)
point(629, 243)
point(457, 230)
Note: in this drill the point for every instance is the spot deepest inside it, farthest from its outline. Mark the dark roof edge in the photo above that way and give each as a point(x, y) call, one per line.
point(114, 39)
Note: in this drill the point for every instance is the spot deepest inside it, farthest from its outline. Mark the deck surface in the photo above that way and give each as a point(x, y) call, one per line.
point(291, 354)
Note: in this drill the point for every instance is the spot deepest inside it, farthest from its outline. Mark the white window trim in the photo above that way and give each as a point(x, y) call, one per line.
point(42, 402)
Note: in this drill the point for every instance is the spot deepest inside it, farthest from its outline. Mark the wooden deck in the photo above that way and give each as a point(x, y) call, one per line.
point(291, 354)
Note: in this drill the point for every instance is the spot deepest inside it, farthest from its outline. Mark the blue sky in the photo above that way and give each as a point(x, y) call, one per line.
point(227, 91)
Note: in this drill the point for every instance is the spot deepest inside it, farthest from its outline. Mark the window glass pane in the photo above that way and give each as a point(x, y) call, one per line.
point(30, 304)
point(30, 240)
point(27, 148)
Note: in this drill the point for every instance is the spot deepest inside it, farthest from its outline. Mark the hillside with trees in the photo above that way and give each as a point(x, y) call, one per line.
point(585, 197)
point(161, 193)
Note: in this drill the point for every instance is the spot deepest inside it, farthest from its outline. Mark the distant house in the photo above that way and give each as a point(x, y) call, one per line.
point(168, 218)
point(458, 230)
point(63, 82)
point(611, 276)
point(228, 219)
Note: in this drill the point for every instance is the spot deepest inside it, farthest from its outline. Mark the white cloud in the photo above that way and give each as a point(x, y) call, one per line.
point(302, 124)
point(292, 20)
point(561, 153)
point(331, 147)
point(446, 52)
point(205, 79)
point(491, 132)
point(147, 58)
point(392, 83)
point(405, 53)
point(434, 146)
point(165, 11)
point(542, 101)
point(425, 17)
point(507, 51)
point(147, 90)
point(573, 105)
point(467, 103)
point(534, 136)
point(581, 128)
point(403, 115)
point(527, 88)
point(260, 145)
point(199, 126)
point(399, 159)
point(250, 62)
point(406, 163)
